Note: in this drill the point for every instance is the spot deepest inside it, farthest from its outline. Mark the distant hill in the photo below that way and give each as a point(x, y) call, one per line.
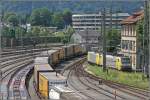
point(76, 6)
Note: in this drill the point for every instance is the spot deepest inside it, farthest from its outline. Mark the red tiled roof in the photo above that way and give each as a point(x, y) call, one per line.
point(133, 18)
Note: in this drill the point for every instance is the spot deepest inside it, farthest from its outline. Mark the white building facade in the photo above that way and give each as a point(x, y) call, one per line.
point(130, 46)
point(94, 21)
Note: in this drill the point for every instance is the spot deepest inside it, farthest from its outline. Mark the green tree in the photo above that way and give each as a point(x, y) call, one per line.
point(7, 14)
point(12, 19)
point(139, 29)
point(23, 18)
point(113, 38)
point(35, 17)
point(20, 32)
point(12, 32)
point(69, 31)
point(41, 16)
point(5, 31)
point(45, 16)
point(57, 20)
point(35, 31)
point(67, 16)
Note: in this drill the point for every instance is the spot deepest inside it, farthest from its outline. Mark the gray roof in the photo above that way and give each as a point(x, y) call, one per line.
point(89, 33)
point(53, 76)
point(41, 60)
point(43, 67)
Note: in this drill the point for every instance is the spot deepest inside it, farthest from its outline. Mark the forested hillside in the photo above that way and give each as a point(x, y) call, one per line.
point(76, 6)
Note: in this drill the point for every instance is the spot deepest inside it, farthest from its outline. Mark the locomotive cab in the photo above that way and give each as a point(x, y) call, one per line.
point(125, 63)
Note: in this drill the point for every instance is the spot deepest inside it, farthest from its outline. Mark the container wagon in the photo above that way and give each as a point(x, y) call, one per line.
point(83, 48)
point(53, 56)
point(41, 68)
point(77, 50)
point(61, 52)
point(46, 80)
point(68, 51)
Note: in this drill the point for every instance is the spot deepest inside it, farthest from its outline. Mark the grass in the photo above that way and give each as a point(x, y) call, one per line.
point(130, 78)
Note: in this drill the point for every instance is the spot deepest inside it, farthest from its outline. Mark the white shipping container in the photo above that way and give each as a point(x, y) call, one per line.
point(47, 80)
point(110, 61)
point(41, 60)
point(54, 95)
point(92, 57)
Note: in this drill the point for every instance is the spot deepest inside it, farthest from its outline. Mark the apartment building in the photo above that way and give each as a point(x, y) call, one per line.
point(94, 21)
point(129, 38)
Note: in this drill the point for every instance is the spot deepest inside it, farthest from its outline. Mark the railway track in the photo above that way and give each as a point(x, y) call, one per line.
point(79, 78)
point(7, 76)
point(75, 80)
point(100, 91)
point(130, 90)
point(17, 52)
point(95, 87)
point(27, 48)
point(71, 83)
point(17, 88)
point(11, 64)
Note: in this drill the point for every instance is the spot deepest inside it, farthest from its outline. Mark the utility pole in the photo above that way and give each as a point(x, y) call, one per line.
point(86, 30)
point(117, 19)
point(145, 40)
point(1, 25)
point(104, 38)
point(148, 28)
point(111, 16)
point(147, 37)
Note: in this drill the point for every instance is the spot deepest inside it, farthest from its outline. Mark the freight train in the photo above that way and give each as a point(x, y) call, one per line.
point(115, 62)
point(45, 64)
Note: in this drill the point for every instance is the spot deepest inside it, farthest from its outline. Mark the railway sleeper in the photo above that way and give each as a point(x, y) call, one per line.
point(17, 83)
point(17, 80)
point(19, 77)
point(16, 86)
point(16, 93)
point(22, 74)
point(16, 89)
point(18, 98)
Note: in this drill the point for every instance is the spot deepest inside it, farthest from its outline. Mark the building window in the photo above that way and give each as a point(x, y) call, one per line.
point(134, 46)
point(124, 30)
point(127, 30)
point(134, 31)
point(130, 45)
point(128, 33)
point(131, 30)
point(133, 60)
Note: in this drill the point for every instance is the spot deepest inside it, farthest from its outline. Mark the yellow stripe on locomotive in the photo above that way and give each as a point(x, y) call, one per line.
point(97, 59)
point(118, 63)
